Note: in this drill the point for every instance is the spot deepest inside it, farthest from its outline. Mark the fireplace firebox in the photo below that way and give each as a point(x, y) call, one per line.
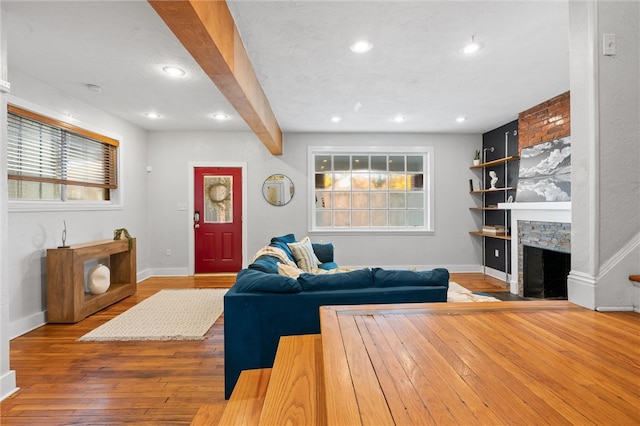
point(545, 273)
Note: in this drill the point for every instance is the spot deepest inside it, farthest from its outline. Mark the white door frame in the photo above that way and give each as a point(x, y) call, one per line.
point(192, 238)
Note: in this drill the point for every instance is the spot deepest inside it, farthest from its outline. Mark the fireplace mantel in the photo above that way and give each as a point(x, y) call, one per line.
point(540, 212)
point(561, 206)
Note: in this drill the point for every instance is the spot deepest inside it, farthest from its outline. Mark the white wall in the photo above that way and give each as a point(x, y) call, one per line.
point(171, 152)
point(32, 232)
point(619, 110)
point(7, 376)
point(605, 115)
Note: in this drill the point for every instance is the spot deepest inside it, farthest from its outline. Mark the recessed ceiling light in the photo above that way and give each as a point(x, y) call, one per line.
point(152, 115)
point(361, 46)
point(94, 88)
point(472, 47)
point(336, 119)
point(174, 71)
point(399, 118)
point(461, 119)
point(220, 116)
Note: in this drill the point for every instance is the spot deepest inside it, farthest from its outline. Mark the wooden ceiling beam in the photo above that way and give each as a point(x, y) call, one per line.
point(207, 30)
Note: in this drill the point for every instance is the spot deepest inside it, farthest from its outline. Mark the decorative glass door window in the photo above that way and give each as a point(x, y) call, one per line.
point(372, 191)
point(218, 199)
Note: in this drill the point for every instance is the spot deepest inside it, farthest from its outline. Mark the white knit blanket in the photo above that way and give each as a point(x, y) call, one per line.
point(276, 252)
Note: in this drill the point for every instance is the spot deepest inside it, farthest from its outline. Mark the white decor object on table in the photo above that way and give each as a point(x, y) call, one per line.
point(99, 279)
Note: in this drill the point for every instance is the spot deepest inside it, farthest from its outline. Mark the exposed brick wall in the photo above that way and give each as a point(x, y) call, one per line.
point(545, 122)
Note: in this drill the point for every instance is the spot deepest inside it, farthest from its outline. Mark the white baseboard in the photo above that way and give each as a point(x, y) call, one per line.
point(451, 268)
point(499, 275)
point(581, 289)
point(169, 272)
point(25, 325)
point(143, 275)
point(8, 385)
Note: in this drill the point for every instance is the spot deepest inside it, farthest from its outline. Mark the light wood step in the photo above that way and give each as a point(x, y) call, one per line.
point(295, 394)
point(208, 414)
point(245, 404)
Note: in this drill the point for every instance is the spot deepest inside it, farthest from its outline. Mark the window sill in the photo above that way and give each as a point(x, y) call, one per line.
point(53, 206)
point(372, 232)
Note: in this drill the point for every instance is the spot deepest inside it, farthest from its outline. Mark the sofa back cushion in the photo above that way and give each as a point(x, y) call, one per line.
point(265, 263)
point(341, 281)
point(253, 281)
point(323, 251)
point(282, 241)
point(402, 278)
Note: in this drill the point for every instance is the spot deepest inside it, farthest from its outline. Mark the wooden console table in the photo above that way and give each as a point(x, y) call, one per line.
point(66, 300)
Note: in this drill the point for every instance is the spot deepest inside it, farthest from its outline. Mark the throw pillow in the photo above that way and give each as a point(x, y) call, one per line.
point(304, 255)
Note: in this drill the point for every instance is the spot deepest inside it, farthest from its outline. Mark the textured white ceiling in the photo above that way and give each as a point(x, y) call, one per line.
point(300, 52)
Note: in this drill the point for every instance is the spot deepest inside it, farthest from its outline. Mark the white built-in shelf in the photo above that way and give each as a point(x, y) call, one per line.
point(563, 205)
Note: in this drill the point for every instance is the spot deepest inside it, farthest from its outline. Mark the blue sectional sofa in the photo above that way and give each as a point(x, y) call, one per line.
point(262, 305)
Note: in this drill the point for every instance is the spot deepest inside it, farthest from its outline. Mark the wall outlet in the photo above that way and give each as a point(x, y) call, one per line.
point(496, 253)
point(168, 252)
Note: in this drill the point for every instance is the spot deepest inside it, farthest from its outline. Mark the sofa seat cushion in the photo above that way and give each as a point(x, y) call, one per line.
point(254, 281)
point(340, 281)
point(404, 278)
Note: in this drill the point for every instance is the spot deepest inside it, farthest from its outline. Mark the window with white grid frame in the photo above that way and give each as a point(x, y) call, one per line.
point(375, 189)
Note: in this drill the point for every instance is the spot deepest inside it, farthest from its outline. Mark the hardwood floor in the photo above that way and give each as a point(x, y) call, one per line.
point(63, 381)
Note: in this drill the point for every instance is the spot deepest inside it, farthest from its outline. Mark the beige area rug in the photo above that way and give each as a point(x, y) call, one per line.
point(185, 314)
point(457, 293)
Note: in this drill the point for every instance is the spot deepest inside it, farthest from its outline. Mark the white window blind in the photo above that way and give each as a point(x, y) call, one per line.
point(42, 149)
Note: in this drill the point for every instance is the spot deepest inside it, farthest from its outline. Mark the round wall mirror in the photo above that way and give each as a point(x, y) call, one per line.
point(277, 190)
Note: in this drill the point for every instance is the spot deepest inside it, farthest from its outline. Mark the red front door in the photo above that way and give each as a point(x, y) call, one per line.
point(217, 219)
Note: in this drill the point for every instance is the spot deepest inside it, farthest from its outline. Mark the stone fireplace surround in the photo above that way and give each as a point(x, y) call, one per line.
point(553, 220)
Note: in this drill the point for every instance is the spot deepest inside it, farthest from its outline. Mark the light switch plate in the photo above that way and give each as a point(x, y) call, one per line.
point(609, 44)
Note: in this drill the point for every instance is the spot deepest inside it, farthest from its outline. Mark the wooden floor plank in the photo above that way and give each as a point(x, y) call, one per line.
point(371, 400)
point(441, 371)
point(405, 404)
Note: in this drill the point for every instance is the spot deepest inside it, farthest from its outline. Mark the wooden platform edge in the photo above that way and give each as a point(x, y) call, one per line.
point(244, 406)
point(296, 388)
